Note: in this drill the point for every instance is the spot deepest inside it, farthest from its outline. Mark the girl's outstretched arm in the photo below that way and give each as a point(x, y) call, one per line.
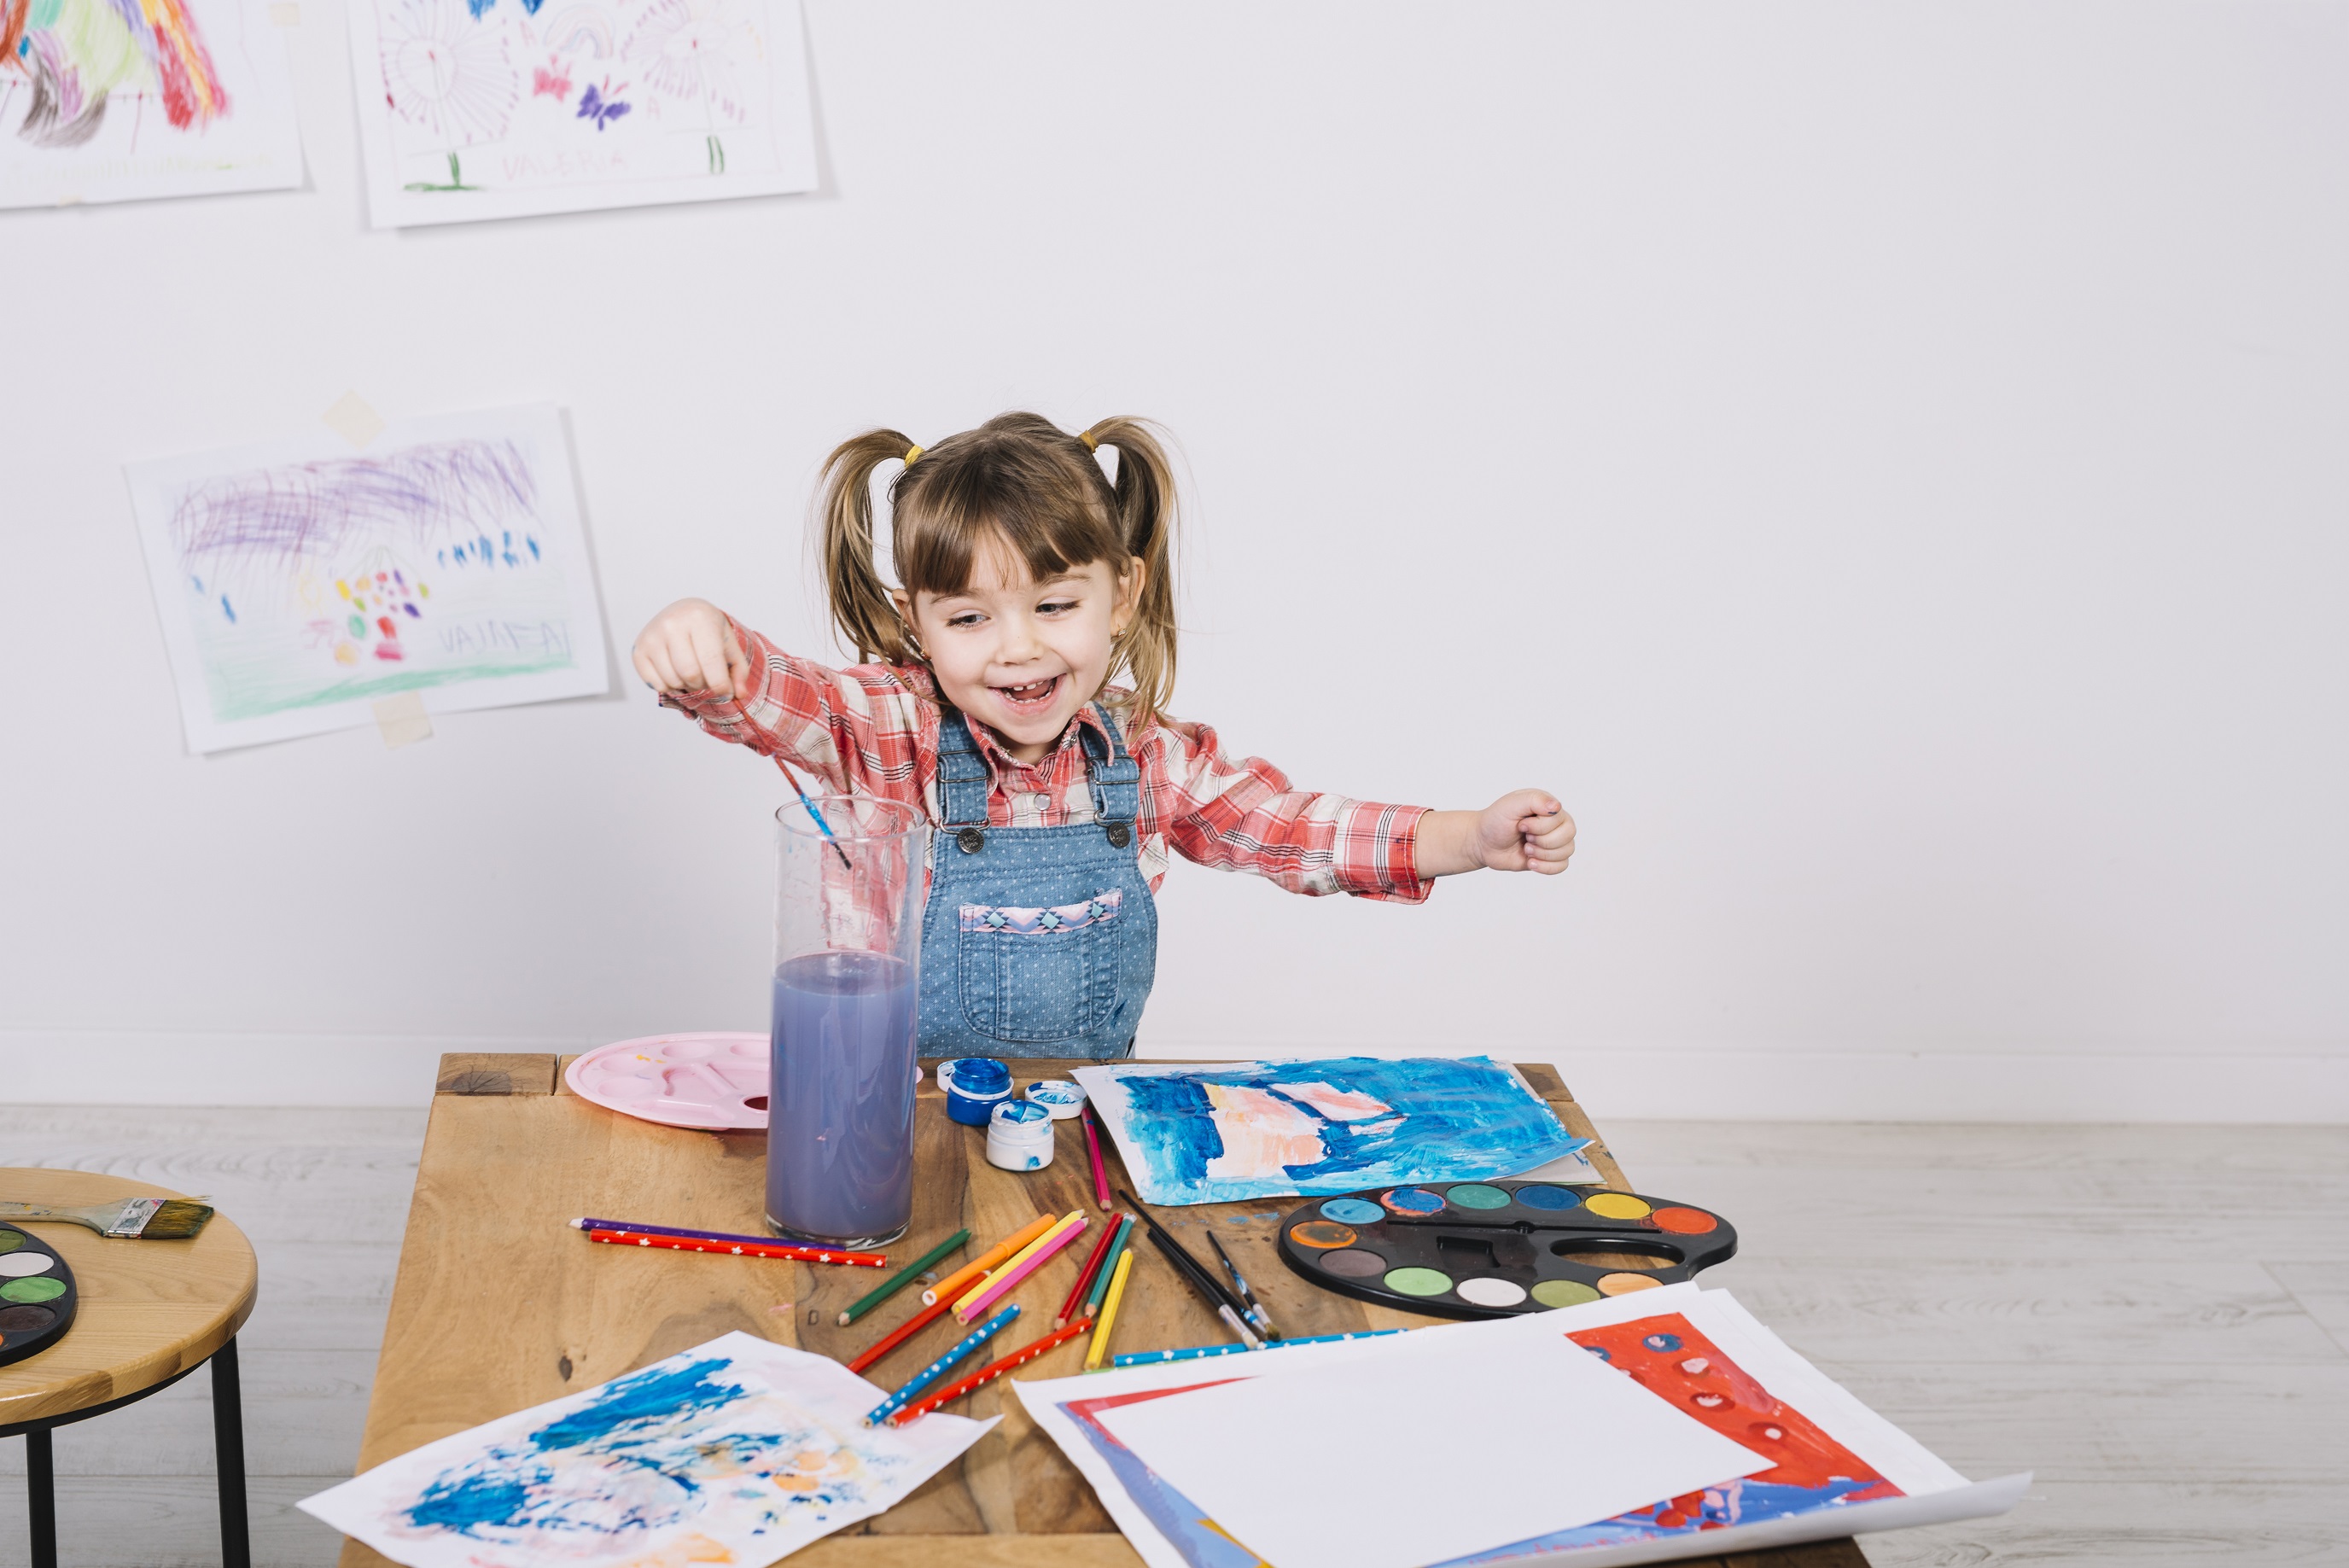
point(1523, 831)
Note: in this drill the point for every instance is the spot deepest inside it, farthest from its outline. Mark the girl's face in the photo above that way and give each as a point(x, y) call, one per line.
point(1019, 655)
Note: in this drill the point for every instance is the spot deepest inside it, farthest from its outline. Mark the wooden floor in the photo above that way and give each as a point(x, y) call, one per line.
point(2154, 1319)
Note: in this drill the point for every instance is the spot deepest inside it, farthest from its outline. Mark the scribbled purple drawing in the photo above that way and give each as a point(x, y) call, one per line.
point(296, 586)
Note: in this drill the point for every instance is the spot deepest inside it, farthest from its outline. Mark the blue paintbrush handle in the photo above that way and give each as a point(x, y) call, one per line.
point(938, 1369)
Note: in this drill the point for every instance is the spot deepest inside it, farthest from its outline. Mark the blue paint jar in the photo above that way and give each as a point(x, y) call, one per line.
point(977, 1087)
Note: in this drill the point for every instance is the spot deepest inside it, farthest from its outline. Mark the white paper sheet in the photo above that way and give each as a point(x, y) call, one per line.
point(300, 582)
point(99, 103)
point(1146, 1514)
point(506, 109)
point(735, 1451)
point(1554, 1438)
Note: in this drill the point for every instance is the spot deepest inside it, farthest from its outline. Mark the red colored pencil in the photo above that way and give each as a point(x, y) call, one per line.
point(901, 1334)
point(1085, 1276)
point(744, 1249)
point(992, 1371)
point(1093, 1151)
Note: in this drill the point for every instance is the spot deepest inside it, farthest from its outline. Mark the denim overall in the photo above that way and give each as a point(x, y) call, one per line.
point(1037, 942)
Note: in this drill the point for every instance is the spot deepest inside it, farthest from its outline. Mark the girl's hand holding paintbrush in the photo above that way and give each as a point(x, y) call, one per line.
point(691, 646)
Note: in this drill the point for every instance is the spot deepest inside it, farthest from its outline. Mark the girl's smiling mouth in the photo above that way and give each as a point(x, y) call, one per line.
point(1033, 696)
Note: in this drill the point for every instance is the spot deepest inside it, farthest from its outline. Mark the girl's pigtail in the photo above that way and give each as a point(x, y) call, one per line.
point(859, 602)
point(1145, 522)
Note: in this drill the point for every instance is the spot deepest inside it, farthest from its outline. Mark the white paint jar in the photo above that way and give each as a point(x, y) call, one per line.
point(1020, 1136)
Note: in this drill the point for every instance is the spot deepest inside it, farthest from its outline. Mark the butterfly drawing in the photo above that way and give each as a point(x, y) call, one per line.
point(603, 106)
point(552, 80)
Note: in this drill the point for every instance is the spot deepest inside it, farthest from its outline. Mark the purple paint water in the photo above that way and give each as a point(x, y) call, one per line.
point(839, 1117)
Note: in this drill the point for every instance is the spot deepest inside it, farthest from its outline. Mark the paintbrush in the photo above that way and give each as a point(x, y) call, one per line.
point(1207, 1285)
point(1254, 1311)
point(133, 1219)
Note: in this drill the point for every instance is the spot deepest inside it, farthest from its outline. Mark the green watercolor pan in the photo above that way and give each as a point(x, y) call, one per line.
point(1497, 1249)
point(36, 1295)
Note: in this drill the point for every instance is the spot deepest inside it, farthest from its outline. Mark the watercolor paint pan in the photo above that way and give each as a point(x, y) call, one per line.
point(38, 1296)
point(1497, 1249)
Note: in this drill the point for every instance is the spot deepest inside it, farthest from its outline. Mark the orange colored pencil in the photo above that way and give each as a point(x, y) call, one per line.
point(992, 1371)
point(957, 1283)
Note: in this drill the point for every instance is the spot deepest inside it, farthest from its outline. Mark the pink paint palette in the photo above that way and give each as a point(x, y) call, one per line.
point(711, 1081)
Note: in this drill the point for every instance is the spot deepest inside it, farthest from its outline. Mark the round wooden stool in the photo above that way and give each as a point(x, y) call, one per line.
point(151, 1313)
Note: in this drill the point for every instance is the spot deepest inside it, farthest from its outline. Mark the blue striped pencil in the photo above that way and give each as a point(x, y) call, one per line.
point(938, 1369)
point(1198, 1352)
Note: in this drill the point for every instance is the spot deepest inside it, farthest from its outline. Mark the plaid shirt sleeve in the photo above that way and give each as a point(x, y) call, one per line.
point(853, 731)
point(1244, 817)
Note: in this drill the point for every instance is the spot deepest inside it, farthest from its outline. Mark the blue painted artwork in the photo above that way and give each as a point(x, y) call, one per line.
point(1234, 1131)
point(738, 1451)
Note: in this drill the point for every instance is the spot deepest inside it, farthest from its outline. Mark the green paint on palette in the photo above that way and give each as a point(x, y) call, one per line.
point(11, 1239)
point(1476, 1195)
point(1421, 1282)
point(37, 1289)
point(1564, 1293)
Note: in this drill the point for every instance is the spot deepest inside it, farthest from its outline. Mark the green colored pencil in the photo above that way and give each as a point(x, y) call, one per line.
point(1101, 1280)
point(901, 1278)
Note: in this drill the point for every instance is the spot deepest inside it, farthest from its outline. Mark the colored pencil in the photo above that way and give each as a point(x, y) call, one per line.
point(902, 1333)
point(1199, 1280)
point(1197, 1352)
point(992, 1371)
point(1254, 1311)
point(990, 1290)
point(1085, 1276)
point(937, 1369)
point(1100, 1346)
point(744, 1249)
point(1093, 1153)
point(954, 1284)
point(684, 1231)
point(1117, 1250)
point(901, 1279)
point(971, 1292)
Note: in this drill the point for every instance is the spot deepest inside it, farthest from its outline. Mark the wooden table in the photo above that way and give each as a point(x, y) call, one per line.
point(149, 1314)
point(500, 1304)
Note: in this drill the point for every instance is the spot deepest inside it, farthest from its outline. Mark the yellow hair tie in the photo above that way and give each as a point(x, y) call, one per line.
point(1087, 437)
point(912, 453)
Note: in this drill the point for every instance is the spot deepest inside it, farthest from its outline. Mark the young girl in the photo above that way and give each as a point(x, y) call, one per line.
point(1028, 582)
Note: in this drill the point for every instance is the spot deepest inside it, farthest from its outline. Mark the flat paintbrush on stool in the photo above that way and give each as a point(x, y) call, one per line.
point(133, 1219)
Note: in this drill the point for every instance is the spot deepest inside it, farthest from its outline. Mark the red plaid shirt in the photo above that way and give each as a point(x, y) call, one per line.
point(873, 729)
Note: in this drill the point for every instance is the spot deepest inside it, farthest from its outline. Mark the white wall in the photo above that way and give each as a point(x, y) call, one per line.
point(1882, 466)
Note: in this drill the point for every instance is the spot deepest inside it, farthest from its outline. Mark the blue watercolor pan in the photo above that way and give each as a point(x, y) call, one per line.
point(1498, 1249)
point(38, 1294)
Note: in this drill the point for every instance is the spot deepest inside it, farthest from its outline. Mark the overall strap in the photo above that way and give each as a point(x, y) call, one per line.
point(1116, 777)
point(962, 772)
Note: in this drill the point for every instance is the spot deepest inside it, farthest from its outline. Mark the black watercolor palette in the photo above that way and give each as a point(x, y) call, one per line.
point(1496, 1248)
point(38, 1296)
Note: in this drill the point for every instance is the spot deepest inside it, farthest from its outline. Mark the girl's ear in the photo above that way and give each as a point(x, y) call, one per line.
point(1129, 584)
point(905, 607)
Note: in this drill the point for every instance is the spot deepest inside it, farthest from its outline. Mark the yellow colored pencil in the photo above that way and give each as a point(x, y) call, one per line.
point(1073, 1217)
point(953, 1286)
point(1099, 1349)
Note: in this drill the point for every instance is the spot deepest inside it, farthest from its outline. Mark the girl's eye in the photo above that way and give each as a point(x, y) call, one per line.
point(969, 618)
point(1056, 606)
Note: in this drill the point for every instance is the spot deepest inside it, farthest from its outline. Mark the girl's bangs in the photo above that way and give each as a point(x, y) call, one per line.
point(938, 547)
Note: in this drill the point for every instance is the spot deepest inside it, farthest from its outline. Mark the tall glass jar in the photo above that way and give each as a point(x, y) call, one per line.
point(848, 941)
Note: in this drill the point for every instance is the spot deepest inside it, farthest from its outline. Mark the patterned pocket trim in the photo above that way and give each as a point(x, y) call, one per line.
point(1042, 922)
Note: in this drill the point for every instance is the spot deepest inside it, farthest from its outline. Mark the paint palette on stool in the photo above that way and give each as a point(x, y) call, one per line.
point(36, 1295)
point(1496, 1248)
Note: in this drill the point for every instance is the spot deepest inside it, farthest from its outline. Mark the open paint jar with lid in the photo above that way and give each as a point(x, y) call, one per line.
point(1020, 1136)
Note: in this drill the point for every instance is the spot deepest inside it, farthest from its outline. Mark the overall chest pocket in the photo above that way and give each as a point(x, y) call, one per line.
point(1038, 975)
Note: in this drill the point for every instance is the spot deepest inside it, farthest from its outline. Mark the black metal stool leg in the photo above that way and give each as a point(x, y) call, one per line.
point(41, 1495)
point(228, 1459)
